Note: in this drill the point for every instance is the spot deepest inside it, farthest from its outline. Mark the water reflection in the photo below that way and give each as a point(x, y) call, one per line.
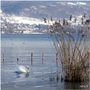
point(76, 85)
point(21, 75)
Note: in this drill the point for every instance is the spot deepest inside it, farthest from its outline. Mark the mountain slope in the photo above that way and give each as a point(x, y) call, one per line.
point(40, 9)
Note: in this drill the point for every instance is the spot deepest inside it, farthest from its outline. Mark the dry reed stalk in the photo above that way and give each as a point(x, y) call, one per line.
point(74, 56)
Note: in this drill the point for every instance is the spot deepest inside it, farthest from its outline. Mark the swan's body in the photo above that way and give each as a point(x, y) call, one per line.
point(23, 69)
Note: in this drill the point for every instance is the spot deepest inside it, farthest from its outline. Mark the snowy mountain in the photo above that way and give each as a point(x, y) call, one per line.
point(41, 9)
point(19, 24)
point(27, 16)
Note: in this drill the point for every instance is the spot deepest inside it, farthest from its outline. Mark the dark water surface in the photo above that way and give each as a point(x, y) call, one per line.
point(21, 46)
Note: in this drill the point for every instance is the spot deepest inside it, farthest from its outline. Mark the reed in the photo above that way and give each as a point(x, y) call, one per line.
point(73, 52)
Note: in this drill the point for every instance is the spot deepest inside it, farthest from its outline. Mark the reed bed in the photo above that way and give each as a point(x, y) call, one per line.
point(73, 52)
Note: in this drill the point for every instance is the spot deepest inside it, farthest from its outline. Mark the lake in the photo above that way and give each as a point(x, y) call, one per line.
point(20, 46)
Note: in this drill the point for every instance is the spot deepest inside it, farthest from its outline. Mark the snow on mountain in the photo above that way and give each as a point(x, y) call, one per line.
point(27, 16)
point(24, 20)
point(76, 3)
point(21, 19)
point(19, 24)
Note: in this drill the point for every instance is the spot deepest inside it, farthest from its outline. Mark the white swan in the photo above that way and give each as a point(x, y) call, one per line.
point(23, 69)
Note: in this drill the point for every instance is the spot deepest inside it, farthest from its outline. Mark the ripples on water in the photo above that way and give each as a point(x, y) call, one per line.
point(21, 46)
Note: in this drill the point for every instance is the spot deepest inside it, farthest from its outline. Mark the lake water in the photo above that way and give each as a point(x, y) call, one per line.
point(21, 46)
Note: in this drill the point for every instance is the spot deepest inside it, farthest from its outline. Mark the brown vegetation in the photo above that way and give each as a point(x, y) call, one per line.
point(73, 52)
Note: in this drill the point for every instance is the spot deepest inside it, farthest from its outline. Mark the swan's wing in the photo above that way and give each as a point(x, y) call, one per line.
point(22, 69)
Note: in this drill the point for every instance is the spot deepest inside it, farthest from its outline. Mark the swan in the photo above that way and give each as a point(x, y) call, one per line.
point(22, 70)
